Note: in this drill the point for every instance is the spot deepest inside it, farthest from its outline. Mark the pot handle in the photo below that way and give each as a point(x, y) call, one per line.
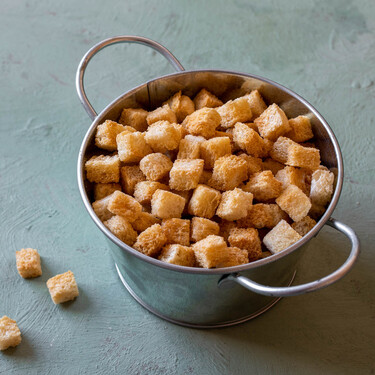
point(105, 43)
point(308, 287)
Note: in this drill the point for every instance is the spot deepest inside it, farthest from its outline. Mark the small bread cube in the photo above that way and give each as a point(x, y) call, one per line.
point(106, 134)
point(155, 166)
point(163, 136)
point(234, 204)
point(178, 254)
point(124, 205)
point(280, 149)
point(213, 149)
point(163, 113)
point(177, 231)
point(166, 205)
point(204, 202)
point(122, 229)
point(10, 334)
point(103, 190)
point(206, 99)
point(211, 251)
point(130, 176)
point(267, 147)
point(254, 164)
point(183, 132)
point(280, 237)
point(185, 174)
point(144, 190)
point(28, 263)
point(103, 169)
point(186, 194)
point(247, 239)
point(304, 226)
point(248, 140)
point(201, 228)
point(151, 241)
point(264, 186)
point(321, 187)
point(63, 287)
point(234, 111)
point(202, 122)
point(190, 147)
point(229, 172)
point(132, 147)
point(144, 221)
point(292, 176)
point(272, 165)
point(134, 117)
point(256, 102)
point(294, 202)
point(234, 257)
point(205, 177)
point(300, 129)
point(226, 227)
point(272, 123)
point(100, 208)
point(263, 216)
point(181, 105)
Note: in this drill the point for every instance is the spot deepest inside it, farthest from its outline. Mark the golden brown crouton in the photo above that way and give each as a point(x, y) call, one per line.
point(134, 117)
point(201, 228)
point(292, 176)
point(304, 226)
point(211, 251)
point(254, 164)
point(100, 208)
point(300, 129)
point(178, 254)
point(205, 177)
point(177, 231)
point(106, 134)
point(163, 113)
point(234, 257)
point(103, 190)
point(144, 190)
point(321, 187)
point(185, 174)
point(213, 149)
point(272, 165)
point(247, 239)
point(155, 166)
point(280, 237)
point(63, 287)
point(166, 205)
point(163, 136)
point(256, 102)
point(202, 122)
point(151, 241)
point(204, 202)
point(122, 229)
point(28, 263)
point(234, 111)
point(234, 204)
point(144, 221)
point(130, 176)
point(124, 205)
point(264, 186)
point(206, 99)
point(10, 334)
point(132, 147)
point(190, 147)
point(103, 169)
point(181, 105)
point(248, 140)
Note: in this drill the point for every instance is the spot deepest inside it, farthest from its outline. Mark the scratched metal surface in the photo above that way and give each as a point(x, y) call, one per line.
point(325, 51)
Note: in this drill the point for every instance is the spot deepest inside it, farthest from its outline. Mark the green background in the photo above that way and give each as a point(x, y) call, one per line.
point(325, 51)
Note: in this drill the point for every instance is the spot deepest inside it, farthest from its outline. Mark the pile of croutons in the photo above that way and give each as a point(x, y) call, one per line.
point(208, 184)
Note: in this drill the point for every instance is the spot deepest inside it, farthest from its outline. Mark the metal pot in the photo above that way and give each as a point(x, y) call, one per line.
point(197, 297)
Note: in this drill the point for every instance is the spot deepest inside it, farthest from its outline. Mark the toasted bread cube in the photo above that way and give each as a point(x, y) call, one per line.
point(155, 166)
point(321, 187)
point(10, 334)
point(205, 177)
point(234, 204)
point(256, 102)
point(144, 190)
point(206, 99)
point(122, 229)
point(130, 176)
point(280, 149)
point(291, 176)
point(124, 205)
point(100, 208)
point(202, 122)
point(229, 171)
point(254, 164)
point(272, 123)
point(190, 147)
point(176, 231)
point(28, 263)
point(163, 113)
point(264, 186)
point(304, 226)
point(246, 239)
point(63, 287)
point(103, 169)
point(181, 129)
point(234, 257)
point(272, 165)
point(185, 174)
point(294, 202)
point(163, 136)
point(144, 221)
point(226, 227)
point(204, 202)
point(234, 111)
point(178, 254)
point(211, 251)
point(166, 205)
point(300, 129)
point(103, 190)
point(201, 228)
point(181, 105)
point(106, 134)
point(263, 216)
point(132, 147)
point(134, 117)
point(248, 140)
point(267, 147)
point(280, 237)
point(213, 149)
point(151, 241)
point(186, 194)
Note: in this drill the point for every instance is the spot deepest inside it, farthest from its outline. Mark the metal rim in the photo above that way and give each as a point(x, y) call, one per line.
point(215, 271)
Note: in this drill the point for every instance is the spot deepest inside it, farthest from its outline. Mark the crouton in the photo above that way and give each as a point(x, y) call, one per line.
point(201, 228)
point(106, 134)
point(155, 166)
point(144, 221)
point(166, 205)
point(206, 99)
point(124, 205)
point(100, 208)
point(205, 177)
point(211, 251)
point(28, 263)
point(144, 190)
point(213, 149)
point(181, 105)
point(134, 117)
point(300, 129)
point(10, 334)
point(292, 176)
point(264, 186)
point(304, 226)
point(190, 147)
point(246, 239)
point(272, 165)
point(280, 237)
point(248, 140)
point(122, 229)
point(63, 287)
point(162, 136)
point(256, 102)
point(163, 113)
point(234, 111)
point(130, 176)
point(204, 202)
point(321, 187)
point(103, 190)
point(185, 174)
point(151, 241)
point(254, 164)
point(234, 204)
point(178, 254)
point(226, 227)
point(202, 122)
point(234, 257)
point(176, 231)
point(132, 147)
point(103, 169)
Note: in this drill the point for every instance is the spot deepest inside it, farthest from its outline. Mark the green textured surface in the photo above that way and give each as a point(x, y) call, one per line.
point(325, 51)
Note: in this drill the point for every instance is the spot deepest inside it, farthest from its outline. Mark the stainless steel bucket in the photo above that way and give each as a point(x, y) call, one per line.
point(197, 297)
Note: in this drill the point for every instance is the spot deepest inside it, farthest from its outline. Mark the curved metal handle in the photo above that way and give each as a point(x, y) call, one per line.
point(308, 287)
point(105, 43)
